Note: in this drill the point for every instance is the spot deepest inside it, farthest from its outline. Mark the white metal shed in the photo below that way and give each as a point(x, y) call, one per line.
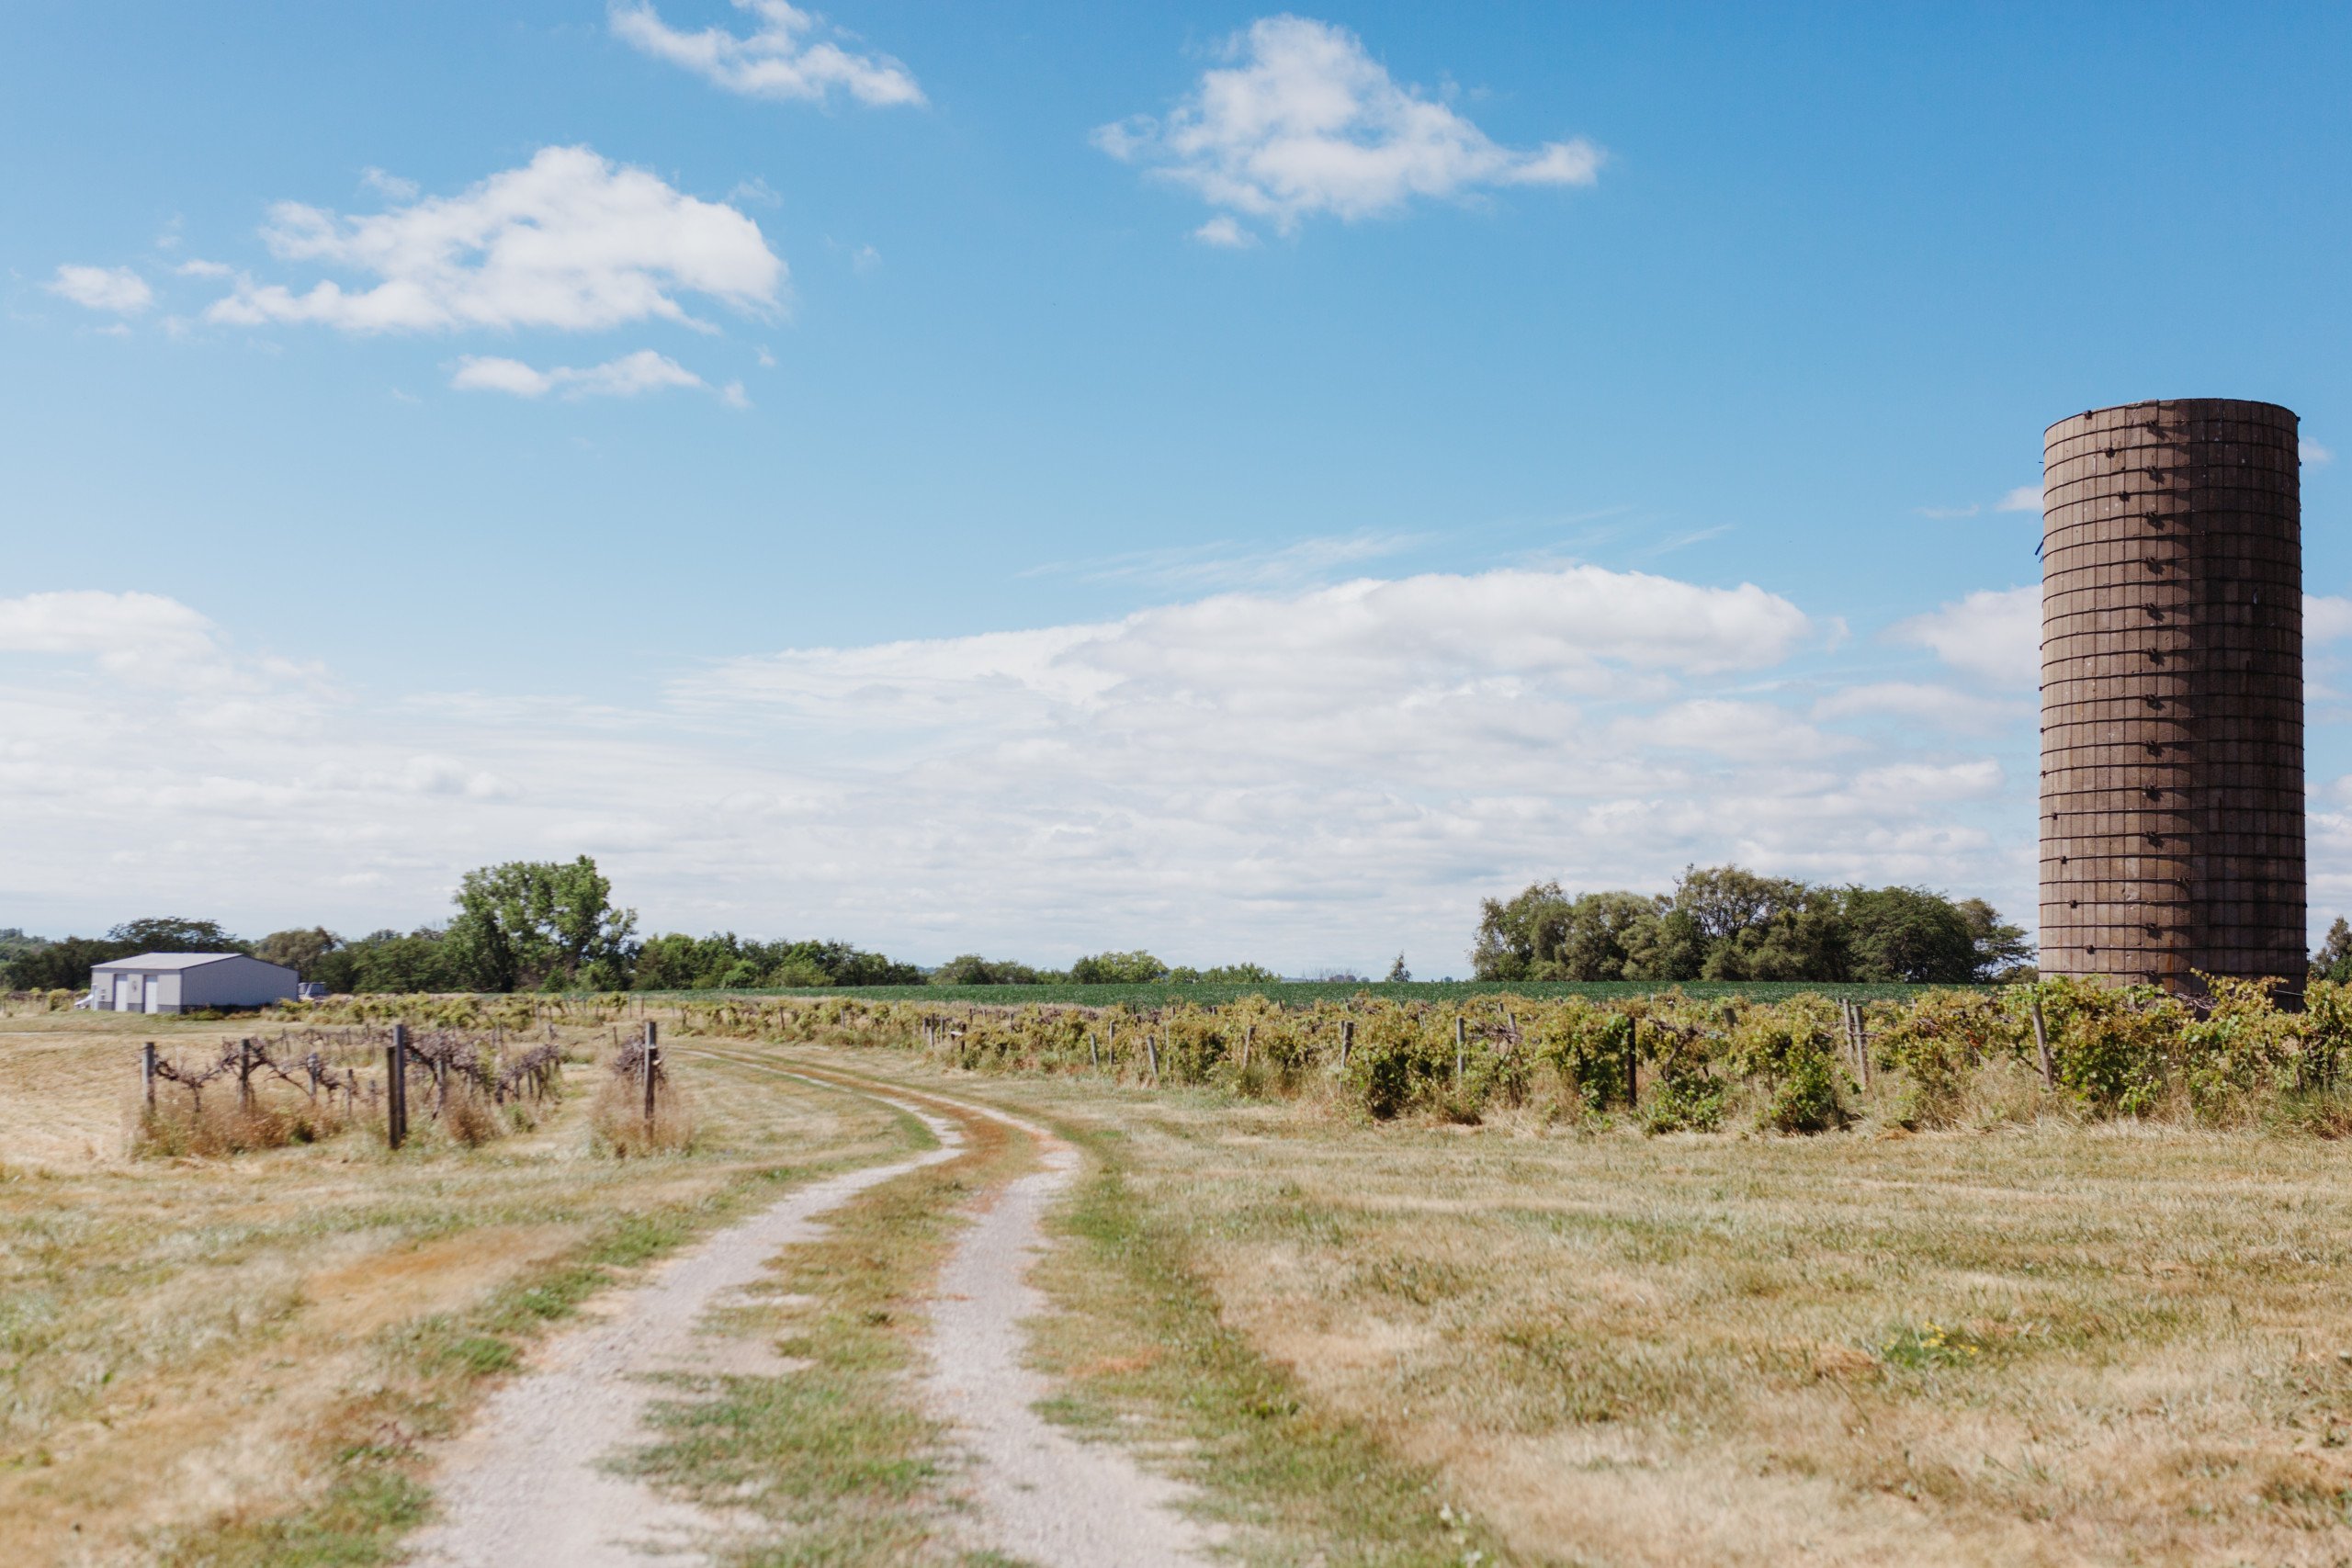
point(183, 982)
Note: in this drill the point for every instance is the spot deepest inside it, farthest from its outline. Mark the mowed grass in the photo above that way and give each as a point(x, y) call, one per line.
point(245, 1359)
point(2048, 1345)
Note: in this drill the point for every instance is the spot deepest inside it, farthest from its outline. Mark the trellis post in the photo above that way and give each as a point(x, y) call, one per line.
point(1461, 1034)
point(653, 1067)
point(396, 1086)
point(147, 1073)
point(2041, 1044)
point(245, 1075)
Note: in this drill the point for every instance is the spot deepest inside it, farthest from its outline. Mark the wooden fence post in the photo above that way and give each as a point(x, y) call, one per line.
point(1460, 1035)
point(1347, 1041)
point(653, 1073)
point(147, 1073)
point(1633, 1061)
point(440, 1083)
point(396, 1086)
point(1093, 1054)
point(1248, 1038)
point(245, 1074)
point(2041, 1044)
point(1150, 1054)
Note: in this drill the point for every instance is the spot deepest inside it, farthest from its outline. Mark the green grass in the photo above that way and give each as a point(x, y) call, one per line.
point(1306, 993)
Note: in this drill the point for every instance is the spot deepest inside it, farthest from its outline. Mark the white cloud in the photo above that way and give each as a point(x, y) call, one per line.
point(1318, 776)
point(391, 186)
point(196, 268)
point(865, 258)
point(129, 633)
point(115, 289)
point(1222, 231)
point(1927, 705)
point(1995, 633)
point(2025, 498)
point(1978, 780)
point(1751, 731)
point(784, 56)
point(644, 371)
point(1306, 122)
point(2313, 454)
point(569, 241)
point(2326, 617)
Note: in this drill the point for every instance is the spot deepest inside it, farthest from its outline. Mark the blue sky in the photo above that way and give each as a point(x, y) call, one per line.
point(1014, 477)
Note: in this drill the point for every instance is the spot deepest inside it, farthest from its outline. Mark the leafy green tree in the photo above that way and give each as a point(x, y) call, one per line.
point(172, 933)
point(1520, 939)
point(63, 965)
point(422, 960)
point(1728, 923)
point(2333, 959)
point(1669, 947)
point(1907, 933)
point(298, 950)
point(971, 969)
point(526, 923)
point(1136, 968)
point(2003, 953)
point(1397, 973)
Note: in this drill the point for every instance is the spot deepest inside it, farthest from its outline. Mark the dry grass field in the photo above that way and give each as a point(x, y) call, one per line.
point(238, 1359)
point(2046, 1345)
point(1394, 1343)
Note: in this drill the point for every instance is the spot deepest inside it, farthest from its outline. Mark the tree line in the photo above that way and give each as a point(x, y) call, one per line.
point(550, 925)
point(1726, 924)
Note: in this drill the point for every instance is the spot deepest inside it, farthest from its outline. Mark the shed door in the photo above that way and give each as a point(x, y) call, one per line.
point(154, 995)
point(126, 992)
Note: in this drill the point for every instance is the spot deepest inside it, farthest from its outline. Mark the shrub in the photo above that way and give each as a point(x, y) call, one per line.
point(1806, 1098)
point(618, 1126)
point(1687, 1101)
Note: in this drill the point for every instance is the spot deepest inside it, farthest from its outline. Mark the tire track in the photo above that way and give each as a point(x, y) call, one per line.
point(1041, 1495)
point(527, 1486)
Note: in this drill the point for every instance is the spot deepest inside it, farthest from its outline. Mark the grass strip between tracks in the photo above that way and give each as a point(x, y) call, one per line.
point(1137, 1344)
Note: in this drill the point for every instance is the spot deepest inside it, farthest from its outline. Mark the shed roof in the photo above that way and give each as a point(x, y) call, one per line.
point(173, 961)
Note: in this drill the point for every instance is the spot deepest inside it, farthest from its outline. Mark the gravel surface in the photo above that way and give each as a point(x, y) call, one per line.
point(527, 1486)
point(1042, 1497)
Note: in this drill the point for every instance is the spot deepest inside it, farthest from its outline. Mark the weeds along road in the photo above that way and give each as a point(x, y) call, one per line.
point(552, 1472)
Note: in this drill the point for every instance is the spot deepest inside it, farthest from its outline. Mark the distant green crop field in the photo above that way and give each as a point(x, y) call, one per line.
point(1305, 993)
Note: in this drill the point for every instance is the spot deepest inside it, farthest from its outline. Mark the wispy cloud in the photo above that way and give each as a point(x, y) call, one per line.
point(644, 371)
point(789, 53)
point(1306, 122)
point(1222, 564)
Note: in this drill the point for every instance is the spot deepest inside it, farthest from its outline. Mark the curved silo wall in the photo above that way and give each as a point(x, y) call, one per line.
point(2172, 694)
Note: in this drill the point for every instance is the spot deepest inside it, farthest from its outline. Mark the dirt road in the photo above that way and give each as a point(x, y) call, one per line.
point(530, 1486)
